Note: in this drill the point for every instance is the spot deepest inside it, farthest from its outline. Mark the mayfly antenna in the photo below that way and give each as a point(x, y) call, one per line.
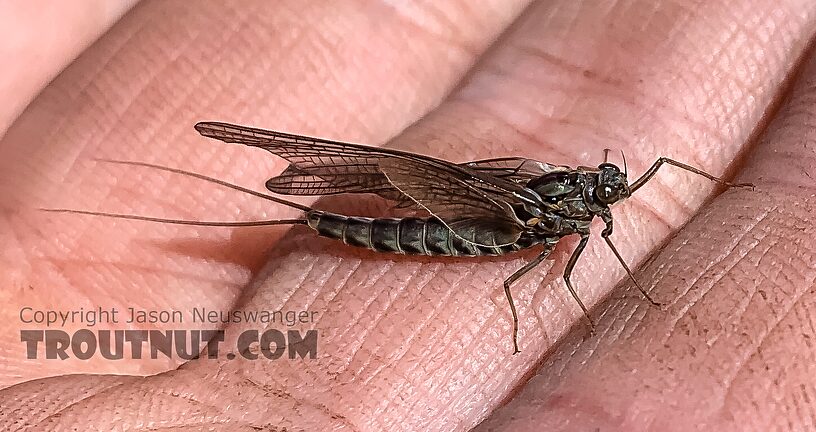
point(625, 170)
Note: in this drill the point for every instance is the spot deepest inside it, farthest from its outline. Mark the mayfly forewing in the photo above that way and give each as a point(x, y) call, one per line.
point(318, 166)
point(308, 153)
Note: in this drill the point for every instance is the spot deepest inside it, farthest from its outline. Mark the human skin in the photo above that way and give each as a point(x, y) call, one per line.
point(420, 343)
point(42, 39)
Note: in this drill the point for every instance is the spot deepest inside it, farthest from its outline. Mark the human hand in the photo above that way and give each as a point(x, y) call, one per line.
point(423, 344)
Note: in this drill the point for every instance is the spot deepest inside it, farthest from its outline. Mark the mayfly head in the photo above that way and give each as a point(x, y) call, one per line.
point(612, 184)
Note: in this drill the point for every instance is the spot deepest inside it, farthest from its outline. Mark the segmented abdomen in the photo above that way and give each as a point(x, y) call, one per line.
point(411, 236)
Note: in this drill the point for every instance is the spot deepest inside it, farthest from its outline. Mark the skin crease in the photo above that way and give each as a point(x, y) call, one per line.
point(420, 343)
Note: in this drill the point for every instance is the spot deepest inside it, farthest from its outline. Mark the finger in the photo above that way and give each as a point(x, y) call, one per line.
point(732, 350)
point(422, 331)
point(40, 40)
point(136, 95)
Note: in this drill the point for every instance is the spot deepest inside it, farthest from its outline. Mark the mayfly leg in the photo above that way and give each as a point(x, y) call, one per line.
point(629, 272)
point(514, 277)
point(605, 234)
point(568, 272)
point(664, 160)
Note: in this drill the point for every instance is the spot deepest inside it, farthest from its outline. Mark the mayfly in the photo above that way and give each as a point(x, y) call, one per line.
point(482, 208)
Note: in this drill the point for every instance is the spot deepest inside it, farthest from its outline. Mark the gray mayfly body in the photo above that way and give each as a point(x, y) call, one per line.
point(487, 207)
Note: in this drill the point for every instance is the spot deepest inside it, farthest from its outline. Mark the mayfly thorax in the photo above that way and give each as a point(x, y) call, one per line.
point(486, 207)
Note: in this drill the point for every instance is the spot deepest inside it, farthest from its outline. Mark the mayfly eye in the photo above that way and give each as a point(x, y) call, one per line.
point(606, 194)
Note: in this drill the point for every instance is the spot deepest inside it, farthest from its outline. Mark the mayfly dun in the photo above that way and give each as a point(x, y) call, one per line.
point(482, 208)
